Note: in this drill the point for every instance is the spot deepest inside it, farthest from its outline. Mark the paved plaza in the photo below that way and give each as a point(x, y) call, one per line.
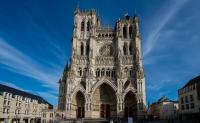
point(101, 121)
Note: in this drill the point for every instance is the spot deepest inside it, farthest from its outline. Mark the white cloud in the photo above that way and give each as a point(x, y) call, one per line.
point(47, 95)
point(154, 87)
point(160, 23)
point(12, 85)
point(154, 59)
point(20, 63)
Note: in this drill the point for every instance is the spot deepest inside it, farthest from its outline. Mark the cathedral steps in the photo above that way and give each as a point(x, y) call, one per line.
point(96, 120)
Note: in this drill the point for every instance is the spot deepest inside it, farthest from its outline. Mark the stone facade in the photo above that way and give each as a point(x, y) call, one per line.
point(189, 99)
point(51, 115)
point(20, 107)
point(164, 109)
point(105, 77)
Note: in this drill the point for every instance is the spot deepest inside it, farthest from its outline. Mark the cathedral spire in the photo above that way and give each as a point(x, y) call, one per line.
point(136, 25)
point(135, 13)
point(66, 67)
point(77, 8)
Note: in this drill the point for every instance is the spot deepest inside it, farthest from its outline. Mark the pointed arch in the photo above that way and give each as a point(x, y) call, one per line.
point(125, 48)
point(113, 73)
point(80, 71)
point(104, 99)
point(82, 25)
point(88, 25)
point(130, 31)
point(125, 31)
point(111, 84)
point(97, 72)
point(83, 83)
point(87, 49)
point(77, 89)
point(78, 103)
point(130, 104)
point(108, 72)
point(130, 49)
point(131, 71)
point(102, 71)
point(82, 48)
point(129, 89)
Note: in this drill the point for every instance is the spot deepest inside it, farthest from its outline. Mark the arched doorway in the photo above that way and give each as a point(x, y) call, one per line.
point(79, 104)
point(104, 101)
point(130, 105)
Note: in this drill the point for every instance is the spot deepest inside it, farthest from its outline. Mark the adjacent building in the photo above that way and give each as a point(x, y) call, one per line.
point(189, 99)
point(163, 109)
point(105, 77)
point(20, 107)
point(52, 115)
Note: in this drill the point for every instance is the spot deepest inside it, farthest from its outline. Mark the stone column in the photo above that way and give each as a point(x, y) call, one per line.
point(88, 106)
point(21, 120)
point(10, 120)
point(29, 120)
point(69, 112)
point(120, 107)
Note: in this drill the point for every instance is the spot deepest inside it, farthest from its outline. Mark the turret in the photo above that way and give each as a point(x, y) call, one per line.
point(136, 25)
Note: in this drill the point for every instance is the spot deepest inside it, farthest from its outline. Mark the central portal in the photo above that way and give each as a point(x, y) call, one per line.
point(105, 110)
point(104, 102)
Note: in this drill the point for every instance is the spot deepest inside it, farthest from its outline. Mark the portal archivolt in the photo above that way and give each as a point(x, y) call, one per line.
point(78, 104)
point(130, 105)
point(104, 101)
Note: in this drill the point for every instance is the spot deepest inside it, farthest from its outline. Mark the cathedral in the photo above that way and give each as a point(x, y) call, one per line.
point(105, 76)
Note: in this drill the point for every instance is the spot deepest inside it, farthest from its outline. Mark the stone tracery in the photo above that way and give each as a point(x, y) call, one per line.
point(106, 50)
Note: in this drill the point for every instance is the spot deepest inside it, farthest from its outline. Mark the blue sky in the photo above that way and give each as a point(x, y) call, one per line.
point(35, 41)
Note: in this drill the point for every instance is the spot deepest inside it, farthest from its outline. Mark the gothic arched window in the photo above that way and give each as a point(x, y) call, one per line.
point(87, 49)
point(125, 48)
point(113, 73)
point(108, 72)
point(82, 48)
point(130, 49)
point(83, 84)
point(106, 35)
point(103, 72)
point(82, 26)
point(88, 26)
point(130, 31)
point(80, 72)
point(98, 72)
point(85, 70)
point(125, 32)
point(131, 72)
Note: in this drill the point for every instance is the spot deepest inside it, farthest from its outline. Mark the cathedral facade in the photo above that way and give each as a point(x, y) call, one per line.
point(105, 77)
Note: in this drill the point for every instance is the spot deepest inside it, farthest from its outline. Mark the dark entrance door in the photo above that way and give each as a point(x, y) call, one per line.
point(80, 112)
point(128, 112)
point(105, 110)
point(130, 107)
